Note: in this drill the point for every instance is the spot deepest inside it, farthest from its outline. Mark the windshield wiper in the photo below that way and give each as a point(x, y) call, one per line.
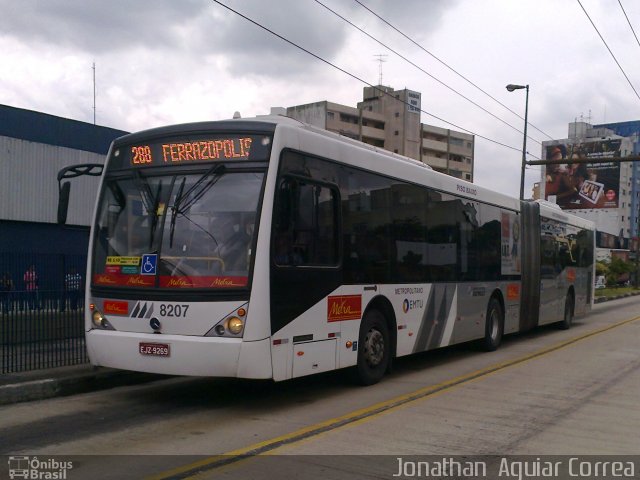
point(175, 210)
point(215, 173)
point(149, 200)
point(154, 215)
point(191, 197)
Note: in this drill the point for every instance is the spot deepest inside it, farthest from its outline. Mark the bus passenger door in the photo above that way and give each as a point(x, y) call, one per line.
point(305, 270)
point(551, 283)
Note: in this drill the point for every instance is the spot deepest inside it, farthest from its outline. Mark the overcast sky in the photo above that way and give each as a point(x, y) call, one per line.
point(168, 61)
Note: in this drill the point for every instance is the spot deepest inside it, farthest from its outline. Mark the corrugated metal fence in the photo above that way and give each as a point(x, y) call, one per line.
point(41, 315)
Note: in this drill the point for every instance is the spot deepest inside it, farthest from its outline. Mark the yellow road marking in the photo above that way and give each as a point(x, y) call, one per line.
point(365, 413)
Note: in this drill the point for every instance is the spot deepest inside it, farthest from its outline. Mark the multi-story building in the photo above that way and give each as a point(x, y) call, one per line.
point(632, 131)
point(448, 151)
point(356, 123)
point(390, 119)
point(600, 190)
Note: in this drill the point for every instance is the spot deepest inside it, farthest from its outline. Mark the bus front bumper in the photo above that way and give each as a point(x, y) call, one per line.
point(186, 355)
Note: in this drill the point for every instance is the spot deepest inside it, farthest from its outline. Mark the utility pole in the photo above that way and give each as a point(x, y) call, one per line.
point(94, 93)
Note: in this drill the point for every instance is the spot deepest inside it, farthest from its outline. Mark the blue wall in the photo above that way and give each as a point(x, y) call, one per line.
point(53, 249)
point(51, 130)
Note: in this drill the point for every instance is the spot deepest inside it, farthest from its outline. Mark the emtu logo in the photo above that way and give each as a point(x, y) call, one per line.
point(411, 304)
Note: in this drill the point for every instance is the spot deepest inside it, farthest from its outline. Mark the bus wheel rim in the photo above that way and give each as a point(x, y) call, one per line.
point(494, 325)
point(374, 347)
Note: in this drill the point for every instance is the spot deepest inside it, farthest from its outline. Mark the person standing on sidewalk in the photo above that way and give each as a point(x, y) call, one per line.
point(6, 286)
point(72, 285)
point(30, 278)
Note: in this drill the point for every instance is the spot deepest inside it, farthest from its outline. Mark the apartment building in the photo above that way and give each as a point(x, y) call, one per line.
point(356, 123)
point(390, 119)
point(448, 151)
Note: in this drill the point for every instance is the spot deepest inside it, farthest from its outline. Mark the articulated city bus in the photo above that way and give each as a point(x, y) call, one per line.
point(269, 249)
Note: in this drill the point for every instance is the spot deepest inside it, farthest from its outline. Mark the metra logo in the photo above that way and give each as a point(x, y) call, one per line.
point(179, 282)
point(224, 282)
point(104, 280)
point(142, 310)
point(411, 304)
point(344, 307)
point(137, 280)
point(116, 308)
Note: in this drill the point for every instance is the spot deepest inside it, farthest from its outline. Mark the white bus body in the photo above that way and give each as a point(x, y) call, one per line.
point(350, 256)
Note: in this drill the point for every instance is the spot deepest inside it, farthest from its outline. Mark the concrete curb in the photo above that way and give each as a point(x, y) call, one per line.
point(615, 297)
point(63, 382)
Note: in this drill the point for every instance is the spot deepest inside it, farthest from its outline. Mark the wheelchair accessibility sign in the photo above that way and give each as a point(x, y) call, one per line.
point(149, 264)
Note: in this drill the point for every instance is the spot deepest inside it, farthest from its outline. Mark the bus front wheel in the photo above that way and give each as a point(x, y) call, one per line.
point(373, 348)
point(494, 327)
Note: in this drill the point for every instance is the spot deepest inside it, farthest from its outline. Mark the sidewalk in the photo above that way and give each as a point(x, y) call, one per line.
point(62, 381)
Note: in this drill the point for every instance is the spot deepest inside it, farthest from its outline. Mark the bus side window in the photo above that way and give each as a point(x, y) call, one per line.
point(306, 224)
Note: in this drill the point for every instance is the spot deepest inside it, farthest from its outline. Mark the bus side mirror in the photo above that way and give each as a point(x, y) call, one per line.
point(63, 202)
point(73, 171)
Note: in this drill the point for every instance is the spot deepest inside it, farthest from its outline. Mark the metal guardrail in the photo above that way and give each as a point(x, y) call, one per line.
point(37, 334)
point(41, 328)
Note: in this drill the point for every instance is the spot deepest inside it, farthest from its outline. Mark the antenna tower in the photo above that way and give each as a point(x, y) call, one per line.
point(380, 58)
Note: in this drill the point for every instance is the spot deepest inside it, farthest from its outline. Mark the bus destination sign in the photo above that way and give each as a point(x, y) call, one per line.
point(206, 150)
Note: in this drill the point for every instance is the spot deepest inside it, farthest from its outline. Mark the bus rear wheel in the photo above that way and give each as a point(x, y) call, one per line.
point(373, 348)
point(494, 327)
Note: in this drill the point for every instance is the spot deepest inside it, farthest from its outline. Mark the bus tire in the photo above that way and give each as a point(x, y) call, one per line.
point(494, 326)
point(374, 348)
point(567, 320)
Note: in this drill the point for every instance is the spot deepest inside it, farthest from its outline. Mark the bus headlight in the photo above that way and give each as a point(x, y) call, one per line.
point(100, 321)
point(230, 326)
point(97, 318)
point(234, 324)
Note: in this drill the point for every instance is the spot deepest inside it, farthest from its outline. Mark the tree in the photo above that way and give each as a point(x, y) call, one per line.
point(601, 268)
point(619, 271)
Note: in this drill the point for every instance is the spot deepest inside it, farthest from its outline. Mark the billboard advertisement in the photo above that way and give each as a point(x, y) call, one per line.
point(584, 185)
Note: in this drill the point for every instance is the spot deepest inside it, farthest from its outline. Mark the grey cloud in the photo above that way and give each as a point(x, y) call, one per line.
point(99, 26)
point(313, 27)
point(194, 27)
point(415, 18)
point(254, 49)
point(204, 28)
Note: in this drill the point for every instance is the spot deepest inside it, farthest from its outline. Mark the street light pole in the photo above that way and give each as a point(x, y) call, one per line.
point(511, 88)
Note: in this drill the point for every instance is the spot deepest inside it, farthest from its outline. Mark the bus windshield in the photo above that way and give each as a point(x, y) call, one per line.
point(192, 230)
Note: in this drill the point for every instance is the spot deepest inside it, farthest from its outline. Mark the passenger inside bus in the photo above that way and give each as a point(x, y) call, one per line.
point(285, 252)
point(236, 250)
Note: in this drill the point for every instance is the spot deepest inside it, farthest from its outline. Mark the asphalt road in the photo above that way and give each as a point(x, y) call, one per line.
point(548, 392)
